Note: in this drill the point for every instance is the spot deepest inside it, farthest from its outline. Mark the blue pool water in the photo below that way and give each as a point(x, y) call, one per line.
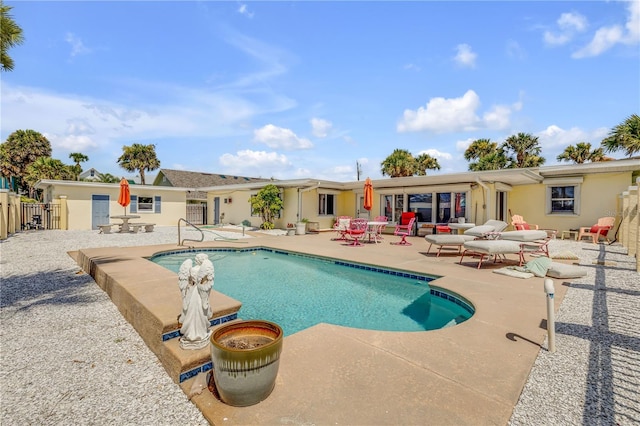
point(298, 291)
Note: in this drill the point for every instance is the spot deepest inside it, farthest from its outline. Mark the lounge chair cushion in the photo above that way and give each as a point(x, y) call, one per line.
point(445, 239)
point(538, 266)
point(524, 235)
point(562, 270)
point(493, 246)
point(479, 231)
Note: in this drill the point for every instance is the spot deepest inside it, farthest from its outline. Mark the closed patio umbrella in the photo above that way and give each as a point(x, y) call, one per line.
point(124, 198)
point(368, 194)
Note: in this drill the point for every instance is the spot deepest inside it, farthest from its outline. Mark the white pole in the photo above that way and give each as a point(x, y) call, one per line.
point(551, 320)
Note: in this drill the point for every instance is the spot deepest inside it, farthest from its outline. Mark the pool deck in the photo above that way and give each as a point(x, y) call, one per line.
point(472, 373)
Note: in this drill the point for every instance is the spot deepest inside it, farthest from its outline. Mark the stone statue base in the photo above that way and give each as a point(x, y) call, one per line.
point(195, 344)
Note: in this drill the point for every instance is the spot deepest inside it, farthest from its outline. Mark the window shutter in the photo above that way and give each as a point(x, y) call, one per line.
point(157, 201)
point(133, 207)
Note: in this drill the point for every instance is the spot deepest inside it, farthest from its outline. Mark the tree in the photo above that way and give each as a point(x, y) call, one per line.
point(581, 153)
point(426, 162)
point(267, 203)
point(21, 148)
point(47, 168)
point(77, 159)
point(400, 163)
point(625, 136)
point(10, 36)
point(488, 154)
point(523, 150)
point(108, 178)
point(138, 157)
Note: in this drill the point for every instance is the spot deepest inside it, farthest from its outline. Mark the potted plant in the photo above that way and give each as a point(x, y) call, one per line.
point(245, 357)
point(301, 227)
point(291, 229)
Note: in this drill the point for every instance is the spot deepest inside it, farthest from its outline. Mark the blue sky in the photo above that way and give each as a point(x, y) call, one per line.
point(308, 89)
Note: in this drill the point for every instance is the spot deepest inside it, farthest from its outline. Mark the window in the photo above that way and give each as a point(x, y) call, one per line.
point(326, 204)
point(422, 205)
point(141, 204)
point(563, 195)
point(145, 204)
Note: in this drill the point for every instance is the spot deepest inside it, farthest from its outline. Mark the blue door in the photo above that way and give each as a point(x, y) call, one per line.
point(99, 210)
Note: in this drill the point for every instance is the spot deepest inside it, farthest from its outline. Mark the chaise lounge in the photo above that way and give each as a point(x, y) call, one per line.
point(457, 241)
point(510, 242)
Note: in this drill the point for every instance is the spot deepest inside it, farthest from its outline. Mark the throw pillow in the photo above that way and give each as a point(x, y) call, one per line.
point(565, 254)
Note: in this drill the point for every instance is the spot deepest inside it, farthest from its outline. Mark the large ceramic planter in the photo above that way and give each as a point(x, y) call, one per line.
point(301, 228)
point(246, 357)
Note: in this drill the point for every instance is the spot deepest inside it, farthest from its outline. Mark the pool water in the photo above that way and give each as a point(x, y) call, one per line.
point(300, 291)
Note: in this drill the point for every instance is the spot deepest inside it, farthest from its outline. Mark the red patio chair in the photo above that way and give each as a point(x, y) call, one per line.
point(357, 230)
point(404, 231)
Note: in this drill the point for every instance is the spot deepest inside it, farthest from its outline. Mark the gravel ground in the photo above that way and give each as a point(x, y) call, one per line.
point(108, 375)
point(593, 378)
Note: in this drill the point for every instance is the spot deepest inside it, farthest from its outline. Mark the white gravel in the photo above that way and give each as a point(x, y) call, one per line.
point(68, 357)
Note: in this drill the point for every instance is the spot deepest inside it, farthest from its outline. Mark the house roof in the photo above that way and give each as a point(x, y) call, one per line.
point(197, 180)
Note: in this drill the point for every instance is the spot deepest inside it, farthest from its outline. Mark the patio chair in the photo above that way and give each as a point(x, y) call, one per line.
point(600, 229)
point(519, 223)
point(341, 226)
point(356, 231)
point(404, 231)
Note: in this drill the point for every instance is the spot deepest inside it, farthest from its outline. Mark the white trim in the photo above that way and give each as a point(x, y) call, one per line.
point(563, 181)
point(576, 196)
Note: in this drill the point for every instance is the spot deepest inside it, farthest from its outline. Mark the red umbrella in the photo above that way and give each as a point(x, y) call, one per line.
point(368, 194)
point(125, 196)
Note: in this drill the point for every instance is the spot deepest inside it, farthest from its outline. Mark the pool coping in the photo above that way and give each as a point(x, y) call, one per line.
point(473, 372)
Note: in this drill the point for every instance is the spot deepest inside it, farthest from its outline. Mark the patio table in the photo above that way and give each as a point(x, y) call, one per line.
point(125, 220)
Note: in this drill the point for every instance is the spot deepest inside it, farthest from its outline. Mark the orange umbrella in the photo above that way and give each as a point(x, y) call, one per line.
point(125, 196)
point(368, 194)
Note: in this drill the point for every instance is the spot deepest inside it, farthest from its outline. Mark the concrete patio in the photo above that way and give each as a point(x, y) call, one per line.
point(472, 373)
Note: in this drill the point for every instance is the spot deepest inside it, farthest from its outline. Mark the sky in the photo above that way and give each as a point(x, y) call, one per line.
point(302, 89)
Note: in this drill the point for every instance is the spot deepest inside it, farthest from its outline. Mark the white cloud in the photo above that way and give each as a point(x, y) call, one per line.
point(604, 39)
point(554, 138)
point(569, 24)
point(280, 138)
point(243, 9)
point(77, 46)
point(320, 128)
point(514, 50)
point(461, 146)
point(465, 57)
point(456, 114)
point(607, 37)
point(436, 154)
point(255, 163)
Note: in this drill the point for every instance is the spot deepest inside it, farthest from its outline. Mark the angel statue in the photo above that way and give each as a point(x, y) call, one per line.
point(195, 282)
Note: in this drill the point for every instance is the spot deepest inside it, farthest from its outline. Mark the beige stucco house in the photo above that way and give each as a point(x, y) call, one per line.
point(557, 197)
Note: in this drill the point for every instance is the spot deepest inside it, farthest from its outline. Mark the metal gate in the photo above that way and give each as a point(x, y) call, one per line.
point(197, 214)
point(40, 216)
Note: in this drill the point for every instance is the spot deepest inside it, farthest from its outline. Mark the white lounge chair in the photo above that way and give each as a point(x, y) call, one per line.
point(481, 231)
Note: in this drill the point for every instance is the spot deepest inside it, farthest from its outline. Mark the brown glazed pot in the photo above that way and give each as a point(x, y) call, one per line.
point(246, 358)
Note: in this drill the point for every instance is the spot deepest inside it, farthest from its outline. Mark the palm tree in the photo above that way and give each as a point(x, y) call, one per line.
point(108, 178)
point(488, 154)
point(581, 153)
point(400, 163)
point(10, 36)
point(523, 150)
point(426, 162)
point(78, 158)
point(138, 157)
point(625, 136)
point(21, 148)
point(47, 168)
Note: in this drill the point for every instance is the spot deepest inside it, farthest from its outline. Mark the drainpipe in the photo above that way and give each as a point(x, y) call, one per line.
point(300, 191)
point(484, 197)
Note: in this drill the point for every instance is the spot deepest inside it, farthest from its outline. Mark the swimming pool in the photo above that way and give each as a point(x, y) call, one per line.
point(298, 291)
